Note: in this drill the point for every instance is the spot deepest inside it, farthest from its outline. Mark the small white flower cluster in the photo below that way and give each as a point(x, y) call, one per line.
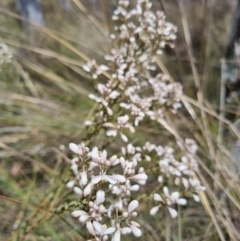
point(152, 28)
point(168, 200)
point(181, 172)
point(108, 193)
point(122, 123)
point(131, 91)
point(5, 54)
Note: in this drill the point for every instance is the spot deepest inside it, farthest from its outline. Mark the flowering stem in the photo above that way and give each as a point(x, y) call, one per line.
point(168, 231)
point(179, 223)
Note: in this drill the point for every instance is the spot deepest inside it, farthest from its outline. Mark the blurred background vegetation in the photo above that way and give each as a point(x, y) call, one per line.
point(44, 103)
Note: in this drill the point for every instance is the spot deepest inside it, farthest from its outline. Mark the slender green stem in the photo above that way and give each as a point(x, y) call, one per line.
point(179, 223)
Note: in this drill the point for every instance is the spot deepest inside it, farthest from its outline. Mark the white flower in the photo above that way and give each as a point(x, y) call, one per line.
point(102, 68)
point(102, 230)
point(173, 198)
point(140, 178)
point(131, 207)
point(89, 66)
point(103, 177)
point(78, 149)
point(135, 228)
point(117, 234)
point(123, 188)
point(113, 161)
point(128, 167)
point(121, 230)
point(98, 157)
point(155, 209)
point(103, 101)
point(96, 209)
point(83, 216)
point(168, 201)
point(114, 94)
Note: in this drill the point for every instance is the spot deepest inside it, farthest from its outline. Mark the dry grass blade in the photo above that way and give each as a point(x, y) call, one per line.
point(49, 33)
point(8, 199)
point(221, 107)
point(59, 81)
point(196, 76)
point(219, 212)
point(27, 80)
point(40, 165)
point(212, 113)
point(45, 52)
point(90, 17)
point(207, 207)
point(31, 100)
point(55, 37)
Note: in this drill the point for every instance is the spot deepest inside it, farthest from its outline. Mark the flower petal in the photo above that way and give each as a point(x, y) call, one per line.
point(109, 111)
point(182, 201)
point(109, 230)
point(132, 205)
point(117, 236)
point(166, 192)
point(111, 133)
point(100, 197)
point(157, 197)
point(154, 210)
point(70, 184)
point(90, 228)
point(175, 195)
point(96, 179)
point(126, 230)
point(136, 231)
point(88, 189)
point(196, 198)
point(73, 147)
point(83, 218)
point(110, 179)
point(84, 179)
point(78, 213)
point(172, 212)
point(98, 227)
point(119, 178)
point(185, 183)
point(78, 191)
point(141, 176)
point(124, 137)
point(134, 187)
